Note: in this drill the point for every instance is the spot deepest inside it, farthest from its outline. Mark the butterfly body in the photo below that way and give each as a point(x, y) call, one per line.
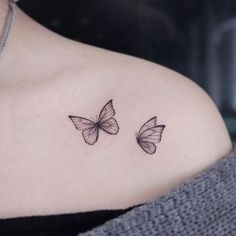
point(90, 129)
point(149, 134)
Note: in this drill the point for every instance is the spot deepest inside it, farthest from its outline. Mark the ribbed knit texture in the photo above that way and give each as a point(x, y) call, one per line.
point(205, 205)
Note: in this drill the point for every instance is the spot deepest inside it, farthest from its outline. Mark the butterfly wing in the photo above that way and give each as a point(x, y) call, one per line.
point(149, 137)
point(152, 135)
point(106, 121)
point(89, 129)
point(107, 112)
point(149, 124)
point(110, 126)
point(149, 148)
point(82, 123)
point(91, 135)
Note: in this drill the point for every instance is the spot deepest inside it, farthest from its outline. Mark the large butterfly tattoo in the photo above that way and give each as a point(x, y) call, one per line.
point(90, 129)
point(149, 134)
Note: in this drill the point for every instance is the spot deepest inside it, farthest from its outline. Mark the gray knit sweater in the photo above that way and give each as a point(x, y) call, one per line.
point(205, 205)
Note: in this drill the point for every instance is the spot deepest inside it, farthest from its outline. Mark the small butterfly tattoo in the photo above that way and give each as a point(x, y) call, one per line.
point(149, 134)
point(90, 129)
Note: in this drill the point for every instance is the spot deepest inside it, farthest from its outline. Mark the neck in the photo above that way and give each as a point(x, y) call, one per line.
point(4, 6)
point(28, 48)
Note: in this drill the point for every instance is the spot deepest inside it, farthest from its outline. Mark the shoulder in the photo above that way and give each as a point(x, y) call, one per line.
point(194, 136)
point(141, 89)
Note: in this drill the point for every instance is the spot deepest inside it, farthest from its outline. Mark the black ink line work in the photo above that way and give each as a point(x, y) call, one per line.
point(90, 129)
point(149, 134)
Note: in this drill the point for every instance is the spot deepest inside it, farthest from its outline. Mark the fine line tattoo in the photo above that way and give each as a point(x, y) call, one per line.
point(90, 129)
point(149, 134)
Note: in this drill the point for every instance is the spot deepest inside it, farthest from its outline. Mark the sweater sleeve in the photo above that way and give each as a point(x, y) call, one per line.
point(204, 205)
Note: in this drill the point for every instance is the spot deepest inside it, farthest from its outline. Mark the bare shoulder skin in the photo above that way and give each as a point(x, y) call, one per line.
point(46, 167)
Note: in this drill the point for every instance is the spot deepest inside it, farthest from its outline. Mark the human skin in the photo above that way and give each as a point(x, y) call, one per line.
point(45, 165)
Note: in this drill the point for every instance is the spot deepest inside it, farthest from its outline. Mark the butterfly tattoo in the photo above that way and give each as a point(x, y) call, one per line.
point(90, 129)
point(149, 134)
